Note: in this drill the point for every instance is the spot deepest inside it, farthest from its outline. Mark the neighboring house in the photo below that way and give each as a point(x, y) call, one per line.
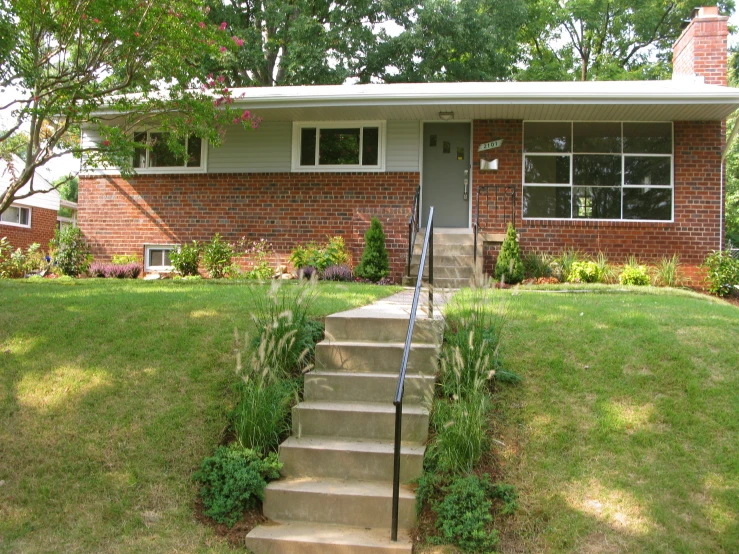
point(626, 168)
point(69, 219)
point(32, 219)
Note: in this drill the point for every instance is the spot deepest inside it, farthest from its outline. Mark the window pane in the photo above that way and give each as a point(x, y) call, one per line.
point(597, 171)
point(338, 147)
point(155, 258)
point(308, 146)
point(24, 214)
point(194, 149)
point(165, 256)
point(547, 169)
point(11, 215)
point(546, 137)
point(370, 145)
point(647, 171)
point(597, 137)
point(648, 203)
point(596, 202)
point(160, 154)
point(139, 156)
point(546, 202)
point(648, 138)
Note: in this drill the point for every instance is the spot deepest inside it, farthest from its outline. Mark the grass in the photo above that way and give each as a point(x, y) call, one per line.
point(624, 435)
point(111, 394)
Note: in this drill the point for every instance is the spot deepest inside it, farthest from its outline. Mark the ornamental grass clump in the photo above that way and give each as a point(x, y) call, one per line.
point(509, 267)
point(668, 272)
point(536, 265)
point(375, 263)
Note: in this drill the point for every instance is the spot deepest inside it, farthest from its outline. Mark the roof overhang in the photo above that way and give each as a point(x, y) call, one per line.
point(588, 101)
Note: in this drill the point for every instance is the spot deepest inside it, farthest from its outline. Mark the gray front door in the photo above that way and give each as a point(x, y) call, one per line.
point(446, 158)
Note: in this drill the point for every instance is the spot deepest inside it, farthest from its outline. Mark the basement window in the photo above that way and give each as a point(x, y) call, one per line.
point(339, 146)
point(156, 257)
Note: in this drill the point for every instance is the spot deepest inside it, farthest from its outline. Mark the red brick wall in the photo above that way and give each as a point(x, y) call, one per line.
point(694, 233)
point(119, 216)
point(43, 225)
point(702, 49)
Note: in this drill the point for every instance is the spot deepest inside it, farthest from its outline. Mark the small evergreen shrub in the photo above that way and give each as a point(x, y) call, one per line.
point(509, 267)
point(186, 258)
point(375, 263)
point(233, 479)
point(217, 255)
point(722, 272)
point(584, 272)
point(337, 273)
point(72, 255)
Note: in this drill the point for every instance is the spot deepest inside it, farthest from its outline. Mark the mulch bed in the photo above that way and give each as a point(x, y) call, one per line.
point(235, 535)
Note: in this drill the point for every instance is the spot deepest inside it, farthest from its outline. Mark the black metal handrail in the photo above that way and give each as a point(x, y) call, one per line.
point(428, 247)
point(413, 225)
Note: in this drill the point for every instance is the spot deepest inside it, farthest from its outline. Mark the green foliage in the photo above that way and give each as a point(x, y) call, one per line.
point(667, 272)
point(71, 253)
point(537, 264)
point(312, 255)
point(16, 143)
point(217, 255)
point(17, 263)
point(606, 270)
point(186, 258)
point(509, 267)
point(585, 272)
point(731, 214)
point(723, 272)
point(562, 264)
point(233, 479)
point(68, 188)
point(634, 274)
point(259, 254)
point(122, 259)
point(375, 263)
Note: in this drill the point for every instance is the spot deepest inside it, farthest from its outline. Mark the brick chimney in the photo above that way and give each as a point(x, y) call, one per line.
point(701, 50)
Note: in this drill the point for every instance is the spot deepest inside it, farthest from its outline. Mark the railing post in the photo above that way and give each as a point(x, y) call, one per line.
point(431, 270)
point(396, 469)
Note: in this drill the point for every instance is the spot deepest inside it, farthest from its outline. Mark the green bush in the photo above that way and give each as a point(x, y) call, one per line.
point(261, 419)
point(562, 264)
point(72, 255)
point(537, 265)
point(17, 263)
point(584, 272)
point(722, 272)
point(312, 255)
point(186, 258)
point(375, 263)
point(123, 259)
point(259, 254)
point(634, 274)
point(509, 267)
point(233, 479)
point(217, 255)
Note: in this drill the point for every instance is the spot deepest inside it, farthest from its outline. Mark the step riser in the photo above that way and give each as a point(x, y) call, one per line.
point(455, 260)
point(456, 272)
point(358, 425)
point(382, 330)
point(276, 546)
point(355, 510)
point(371, 358)
point(444, 250)
point(448, 238)
point(439, 283)
point(367, 387)
point(335, 464)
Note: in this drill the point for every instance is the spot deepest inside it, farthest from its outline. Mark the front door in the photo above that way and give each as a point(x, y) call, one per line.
point(446, 167)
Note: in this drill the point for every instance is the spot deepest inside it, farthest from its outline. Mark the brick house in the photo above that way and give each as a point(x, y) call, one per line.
point(32, 219)
point(626, 168)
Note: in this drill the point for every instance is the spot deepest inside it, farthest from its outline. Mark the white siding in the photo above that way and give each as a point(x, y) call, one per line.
point(402, 145)
point(267, 149)
point(48, 200)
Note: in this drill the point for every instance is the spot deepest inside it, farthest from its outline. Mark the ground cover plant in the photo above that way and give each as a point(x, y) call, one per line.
point(112, 392)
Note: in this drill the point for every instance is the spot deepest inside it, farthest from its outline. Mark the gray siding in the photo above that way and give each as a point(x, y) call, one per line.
point(402, 146)
point(268, 149)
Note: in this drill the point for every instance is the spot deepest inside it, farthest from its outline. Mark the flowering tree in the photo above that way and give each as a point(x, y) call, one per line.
point(113, 64)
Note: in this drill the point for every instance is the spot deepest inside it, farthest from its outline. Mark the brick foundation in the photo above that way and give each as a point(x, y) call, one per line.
point(43, 226)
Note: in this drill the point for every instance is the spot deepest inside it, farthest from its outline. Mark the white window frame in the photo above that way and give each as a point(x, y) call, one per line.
point(157, 268)
point(19, 224)
point(624, 185)
point(298, 126)
point(202, 168)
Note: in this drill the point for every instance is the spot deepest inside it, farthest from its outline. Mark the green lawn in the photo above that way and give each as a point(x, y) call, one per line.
point(111, 393)
point(624, 435)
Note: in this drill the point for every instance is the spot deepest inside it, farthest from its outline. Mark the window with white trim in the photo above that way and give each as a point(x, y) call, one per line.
point(161, 157)
point(16, 215)
point(619, 171)
point(339, 146)
point(156, 257)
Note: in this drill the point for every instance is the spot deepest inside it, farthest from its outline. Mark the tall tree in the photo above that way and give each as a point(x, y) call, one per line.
point(604, 39)
point(732, 165)
point(65, 60)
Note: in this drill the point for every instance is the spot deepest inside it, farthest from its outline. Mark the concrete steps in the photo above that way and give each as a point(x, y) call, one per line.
point(454, 263)
point(336, 494)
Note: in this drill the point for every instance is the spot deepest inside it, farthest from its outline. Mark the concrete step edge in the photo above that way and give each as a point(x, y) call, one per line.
point(359, 539)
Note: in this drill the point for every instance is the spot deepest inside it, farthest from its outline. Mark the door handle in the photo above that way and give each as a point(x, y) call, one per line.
point(466, 184)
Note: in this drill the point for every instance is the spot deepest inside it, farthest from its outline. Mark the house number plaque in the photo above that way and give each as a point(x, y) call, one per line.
point(490, 145)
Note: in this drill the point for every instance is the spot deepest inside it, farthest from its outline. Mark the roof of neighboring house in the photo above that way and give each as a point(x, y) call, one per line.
point(592, 100)
point(48, 200)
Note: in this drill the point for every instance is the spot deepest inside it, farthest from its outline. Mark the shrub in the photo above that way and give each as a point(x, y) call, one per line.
point(185, 259)
point(17, 263)
point(375, 264)
point(722, 272)
point(72, 255)
point(536, 265)
point(562, 264)
point(123, 259)
point(217, 256)
point(308, 272)
point(258, 254)
point(233, 480)
point(338, 273)
point(6, 264)
point(311, 255)
point(509, 267)
point(667, 272)
point(584, 272)
point(634, 274)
